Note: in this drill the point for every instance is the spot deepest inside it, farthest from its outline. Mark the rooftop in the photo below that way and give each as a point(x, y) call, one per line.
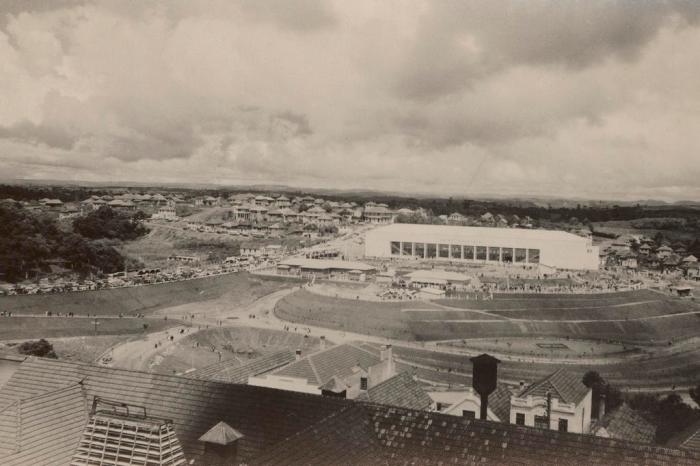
point(322, 264)
point(445, 232)
point(280, 427)
point(562, 384)
point(401, 391)
point(339, 361)
point(231, 371)
point(624, 423)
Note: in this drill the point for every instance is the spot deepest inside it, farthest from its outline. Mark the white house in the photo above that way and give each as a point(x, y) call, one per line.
point(560, 401)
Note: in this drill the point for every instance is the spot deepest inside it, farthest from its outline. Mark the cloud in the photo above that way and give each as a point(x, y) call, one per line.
point(575, 98)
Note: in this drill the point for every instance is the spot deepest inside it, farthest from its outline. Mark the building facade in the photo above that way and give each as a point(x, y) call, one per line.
point(557, 249)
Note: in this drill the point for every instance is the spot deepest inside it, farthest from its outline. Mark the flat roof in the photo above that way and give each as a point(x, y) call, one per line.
point(460, 232)
point(322, 264)
point(419, 275)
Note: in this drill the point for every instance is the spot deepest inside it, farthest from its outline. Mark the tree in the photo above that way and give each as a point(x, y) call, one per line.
point(108, 223)
point(601, 390)
point(41, 348)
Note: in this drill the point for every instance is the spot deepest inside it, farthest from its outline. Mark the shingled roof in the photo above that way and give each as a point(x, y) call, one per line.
point(43, 429)
point(231, 371)
point(624, 423)
point(264, 416)
point(400, 390)
point(688, 439)
point(562, 384)
point(363, 433)
point(340, 361)
point(280, 427)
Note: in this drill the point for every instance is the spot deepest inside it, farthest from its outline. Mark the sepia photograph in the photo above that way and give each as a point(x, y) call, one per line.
point(339, 233)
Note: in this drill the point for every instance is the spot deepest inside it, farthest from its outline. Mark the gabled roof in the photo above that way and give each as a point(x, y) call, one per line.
point(624, 423)
point(340, 361)
point(364, 433)
point(231, 371)
point(562, 384)
point(400, 390)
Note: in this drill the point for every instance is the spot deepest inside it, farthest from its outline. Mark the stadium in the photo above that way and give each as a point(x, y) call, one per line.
point(552, 248)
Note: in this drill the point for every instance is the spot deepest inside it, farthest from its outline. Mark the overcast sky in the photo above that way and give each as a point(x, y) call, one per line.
point(596, 99)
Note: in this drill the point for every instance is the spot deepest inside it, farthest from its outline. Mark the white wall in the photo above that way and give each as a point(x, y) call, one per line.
point(561, 251)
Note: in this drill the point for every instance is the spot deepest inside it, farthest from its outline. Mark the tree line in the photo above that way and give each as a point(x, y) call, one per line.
point(31, 243)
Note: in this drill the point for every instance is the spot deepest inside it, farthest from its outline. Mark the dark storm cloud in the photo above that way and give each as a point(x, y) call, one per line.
point(461, 42)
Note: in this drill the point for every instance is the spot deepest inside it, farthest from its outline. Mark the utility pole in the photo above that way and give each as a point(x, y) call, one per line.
point(549, 409)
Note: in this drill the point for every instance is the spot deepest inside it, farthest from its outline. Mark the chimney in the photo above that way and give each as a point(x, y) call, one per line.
point(385, 353)
point(323, 342)
point(522, 385)
point(484, 379)
point(298, 354)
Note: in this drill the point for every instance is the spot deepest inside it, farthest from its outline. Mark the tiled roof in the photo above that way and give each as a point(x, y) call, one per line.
point(46, 429)
point(375, 434)
point(624, 423)
point(401, 391)
point(264, 416)
point(338, 361)
point(499, 402)
point(231, 371)
point(564, 385)
point(689, 439)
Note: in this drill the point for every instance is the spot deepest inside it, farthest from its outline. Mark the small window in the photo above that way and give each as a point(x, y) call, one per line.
point(468, 414)
point(541, 422)
point(363, 383)
point(520, 419)
point(563, 425)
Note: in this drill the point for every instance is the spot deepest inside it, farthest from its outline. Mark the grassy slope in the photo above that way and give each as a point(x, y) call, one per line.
point(386, 319)
point(145, 299)
point(18, 328)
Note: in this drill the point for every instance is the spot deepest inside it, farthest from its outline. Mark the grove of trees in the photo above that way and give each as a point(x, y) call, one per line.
point(31, 243)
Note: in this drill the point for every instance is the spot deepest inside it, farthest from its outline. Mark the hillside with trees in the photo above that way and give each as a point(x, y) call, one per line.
point(33, 243)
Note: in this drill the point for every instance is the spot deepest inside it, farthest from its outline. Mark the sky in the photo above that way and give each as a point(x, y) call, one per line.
point(586, 99)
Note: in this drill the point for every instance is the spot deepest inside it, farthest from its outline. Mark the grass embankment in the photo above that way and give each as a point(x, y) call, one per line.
point(387, 319)
point(21, 328)
point(240, 287)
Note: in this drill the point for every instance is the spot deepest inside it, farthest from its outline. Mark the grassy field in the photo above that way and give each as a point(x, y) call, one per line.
point(238, 344)
point(22, 328)
point(241, 288)
point(388, 320)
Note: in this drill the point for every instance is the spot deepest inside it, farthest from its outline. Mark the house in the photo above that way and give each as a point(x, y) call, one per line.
point(346, 370)
point(51, 411)
point(624, 423)
point(664, 251)
point(692, 271)
point(645, 249)
point(377, 214)
point(689, 259)
point(468, 404)
point(165, 213)
point(628, 261)
point(563, 395)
